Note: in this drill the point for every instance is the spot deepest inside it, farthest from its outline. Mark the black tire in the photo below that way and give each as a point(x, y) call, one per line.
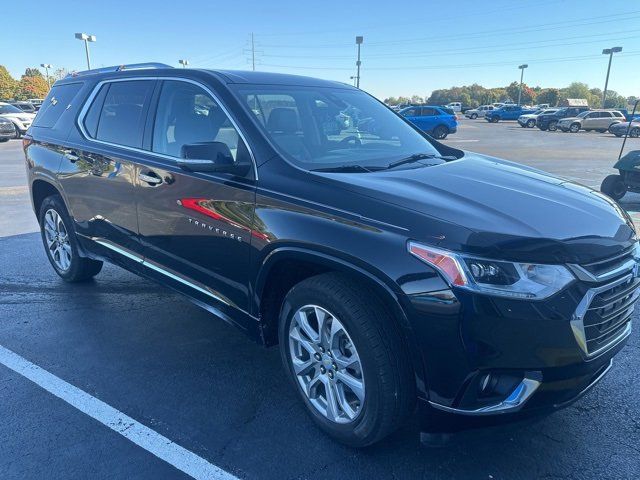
point(634, 132)
point(2, 140)
point(553, 126)
point(614, 186)
point(495, 119)
point(619, 135)
point(574, 127)
point(440, 132)
point(388, 378)
point(531, 123)
point(17, 134)
point(80, 268)
point(474, 116)
point(543, 129)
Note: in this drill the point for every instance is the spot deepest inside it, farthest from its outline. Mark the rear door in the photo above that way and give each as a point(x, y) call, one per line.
point(196, 227)
point(99, 172)
point(429, 118)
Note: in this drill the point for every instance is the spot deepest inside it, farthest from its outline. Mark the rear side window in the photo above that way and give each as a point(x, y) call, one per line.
point(117, 113)
point(58, 100)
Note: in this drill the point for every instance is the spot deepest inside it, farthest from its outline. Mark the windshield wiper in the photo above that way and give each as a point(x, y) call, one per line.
point(346, 169)
point(412, 158)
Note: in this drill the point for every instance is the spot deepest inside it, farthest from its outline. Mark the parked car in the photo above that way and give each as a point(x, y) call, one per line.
point(549, 121)
point(21, 120)
point(436, 121)
point(541, 106)
point(620, 129)
point(394, 275)
point(25, 107)
point(7, 130)
point(506, 112)
point(455, 106)
point(481, 111)
point(36, 102)
point(598, 120)
point(529, 120)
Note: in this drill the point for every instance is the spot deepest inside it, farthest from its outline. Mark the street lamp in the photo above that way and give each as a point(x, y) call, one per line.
point(521, 67)
point(184, 63)
point(610, 52)
point(46, 67)
point(353, 78)
point(86, 38)
point(359, 40)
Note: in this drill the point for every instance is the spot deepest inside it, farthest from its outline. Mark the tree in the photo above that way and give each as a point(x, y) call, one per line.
point(32, 87)
point(549, 95)
point(59, 74)
point(8, 85)
point(417, 99)
point(32, 72)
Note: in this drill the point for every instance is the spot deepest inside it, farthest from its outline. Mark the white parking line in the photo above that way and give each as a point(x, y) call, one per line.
point(154, 443)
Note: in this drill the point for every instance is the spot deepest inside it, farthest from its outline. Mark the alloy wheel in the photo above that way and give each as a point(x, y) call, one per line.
point(326, 364)
point(57, 237)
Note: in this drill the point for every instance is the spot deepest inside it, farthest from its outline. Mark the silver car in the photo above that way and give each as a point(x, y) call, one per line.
point(598, 120)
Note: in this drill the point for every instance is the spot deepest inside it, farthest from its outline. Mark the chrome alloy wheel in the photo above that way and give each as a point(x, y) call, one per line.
point(57, 239)
point(326, 364)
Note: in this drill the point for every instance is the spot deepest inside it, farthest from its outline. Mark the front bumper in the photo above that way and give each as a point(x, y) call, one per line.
point(487, 356)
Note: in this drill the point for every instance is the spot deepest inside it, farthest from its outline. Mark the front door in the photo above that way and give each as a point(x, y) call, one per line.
point(196, 227)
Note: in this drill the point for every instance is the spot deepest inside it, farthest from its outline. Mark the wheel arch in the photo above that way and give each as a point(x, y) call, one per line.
point(41, 189)
point(272, 286)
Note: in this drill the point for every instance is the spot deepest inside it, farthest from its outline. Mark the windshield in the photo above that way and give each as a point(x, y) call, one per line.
point(320, 127)
point(583, 114)
point(9, 109)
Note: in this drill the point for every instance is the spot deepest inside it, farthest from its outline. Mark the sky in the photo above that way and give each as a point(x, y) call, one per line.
point(410, 47)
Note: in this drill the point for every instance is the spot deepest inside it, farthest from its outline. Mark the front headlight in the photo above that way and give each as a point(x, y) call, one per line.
point(495, 277)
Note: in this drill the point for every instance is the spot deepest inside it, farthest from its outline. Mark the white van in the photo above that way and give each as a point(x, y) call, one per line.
point(455, 106)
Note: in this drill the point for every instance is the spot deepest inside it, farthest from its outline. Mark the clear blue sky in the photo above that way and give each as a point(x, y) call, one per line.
point(410, 47)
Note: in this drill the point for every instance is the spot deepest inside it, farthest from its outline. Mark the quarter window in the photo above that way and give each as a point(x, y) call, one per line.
point(187, 114)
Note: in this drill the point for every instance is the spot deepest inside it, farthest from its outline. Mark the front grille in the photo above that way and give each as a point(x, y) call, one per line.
point(603, 316)
point(609, 313)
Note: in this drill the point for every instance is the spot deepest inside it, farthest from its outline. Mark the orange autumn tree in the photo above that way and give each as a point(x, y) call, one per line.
point(33, 86)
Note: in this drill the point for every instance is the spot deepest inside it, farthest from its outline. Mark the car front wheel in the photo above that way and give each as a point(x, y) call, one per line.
point(474, 116)
point(61, 244)
point(634, 132)
point(553, 126)
point(574, 128)
point(346, 358)
point(531, 123)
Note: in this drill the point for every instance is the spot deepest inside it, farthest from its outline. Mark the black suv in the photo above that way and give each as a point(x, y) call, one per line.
point(394, 272)
point(549, 121)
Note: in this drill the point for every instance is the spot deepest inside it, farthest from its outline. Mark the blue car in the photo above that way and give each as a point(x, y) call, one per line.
point(436, 121)
point(507, 112)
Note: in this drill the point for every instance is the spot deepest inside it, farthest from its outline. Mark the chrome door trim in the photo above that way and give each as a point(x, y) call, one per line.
point(96, 89)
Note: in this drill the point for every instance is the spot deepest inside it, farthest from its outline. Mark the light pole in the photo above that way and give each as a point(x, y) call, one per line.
point(46, 67)
point(610, 52)
point(354, 80)
point(521, 67)
point(359, 40)
point(86, 38)
point(184, 63)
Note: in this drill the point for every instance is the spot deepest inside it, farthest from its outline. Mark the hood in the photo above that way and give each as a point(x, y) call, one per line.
point(498, 209)
point(570, 119)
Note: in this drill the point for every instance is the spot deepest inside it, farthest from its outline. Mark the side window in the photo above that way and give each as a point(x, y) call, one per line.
point(412, 112)
point(430, 112)
point(122, 117)
point(57, 101)
point(605, 114)
point(90, 121)
point(187, 114)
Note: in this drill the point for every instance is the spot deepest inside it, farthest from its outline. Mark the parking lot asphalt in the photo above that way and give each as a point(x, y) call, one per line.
point(200, 383)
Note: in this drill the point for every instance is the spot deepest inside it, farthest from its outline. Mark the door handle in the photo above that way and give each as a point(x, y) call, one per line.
point(150, 178)
point(71, 156)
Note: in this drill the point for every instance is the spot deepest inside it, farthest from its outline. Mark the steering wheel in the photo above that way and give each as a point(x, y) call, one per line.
point(350, 138)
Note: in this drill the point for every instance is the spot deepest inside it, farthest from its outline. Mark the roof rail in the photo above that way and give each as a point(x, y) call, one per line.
point(119, 68)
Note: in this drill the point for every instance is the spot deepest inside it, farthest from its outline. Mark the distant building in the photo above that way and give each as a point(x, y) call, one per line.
point(575, 102)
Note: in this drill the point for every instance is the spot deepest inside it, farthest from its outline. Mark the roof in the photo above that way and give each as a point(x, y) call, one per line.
point(226, 76)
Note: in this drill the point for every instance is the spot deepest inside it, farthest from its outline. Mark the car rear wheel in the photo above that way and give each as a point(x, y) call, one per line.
point(17, 134)
point(634, 132)
point(474, 116)
point(574, 128)
point(553, 126)
point(61, 244)
point(440, 132)
point(531, 123)
point(346, 358)
point(614, 186)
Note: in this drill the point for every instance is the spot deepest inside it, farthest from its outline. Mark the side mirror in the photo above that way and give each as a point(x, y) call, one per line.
point(210, 157)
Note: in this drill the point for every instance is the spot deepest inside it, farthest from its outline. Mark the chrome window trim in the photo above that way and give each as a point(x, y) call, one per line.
point(98, 86)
